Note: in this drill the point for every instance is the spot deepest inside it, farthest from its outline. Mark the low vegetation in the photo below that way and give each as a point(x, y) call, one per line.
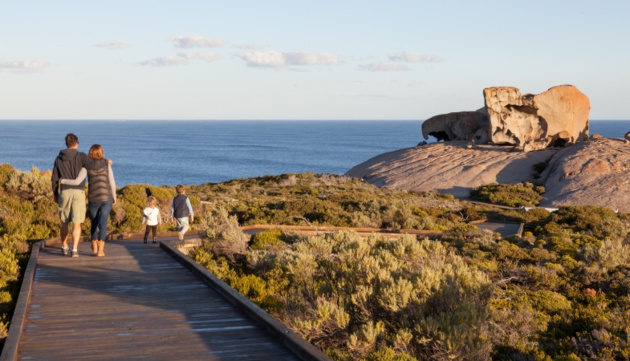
point(559, 292)
point(512, 195)
point(312, 199)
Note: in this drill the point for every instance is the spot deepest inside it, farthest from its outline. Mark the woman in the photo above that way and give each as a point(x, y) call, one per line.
point(101, 195)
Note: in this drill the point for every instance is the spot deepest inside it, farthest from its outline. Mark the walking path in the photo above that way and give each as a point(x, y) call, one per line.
point(138, 302)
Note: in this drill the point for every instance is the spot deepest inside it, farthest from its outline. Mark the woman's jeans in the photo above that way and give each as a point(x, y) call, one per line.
point(99, 213)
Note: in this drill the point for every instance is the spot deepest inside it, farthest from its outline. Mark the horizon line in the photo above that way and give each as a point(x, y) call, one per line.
point(239, 120)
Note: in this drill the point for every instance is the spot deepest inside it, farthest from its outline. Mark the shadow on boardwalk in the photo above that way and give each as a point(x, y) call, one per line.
point(135, 303)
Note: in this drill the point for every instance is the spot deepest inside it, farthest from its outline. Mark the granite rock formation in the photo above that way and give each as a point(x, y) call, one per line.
point(458, 126)
point(557, 116)
point(596, 172)
point(449, 167)
point(593, 172)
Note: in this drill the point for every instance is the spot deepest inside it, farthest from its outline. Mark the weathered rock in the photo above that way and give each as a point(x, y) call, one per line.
point(450, 167)
point(596, 172)
point(458, 126)
point(558, 116)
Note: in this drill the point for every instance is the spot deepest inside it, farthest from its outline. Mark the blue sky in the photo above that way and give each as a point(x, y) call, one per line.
point(395, 59)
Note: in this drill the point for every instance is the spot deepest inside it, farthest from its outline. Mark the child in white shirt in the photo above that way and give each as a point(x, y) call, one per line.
point(151, 217)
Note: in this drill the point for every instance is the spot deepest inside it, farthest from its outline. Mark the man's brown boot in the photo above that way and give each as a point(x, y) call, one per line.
point(101, 249)
point(94, 248)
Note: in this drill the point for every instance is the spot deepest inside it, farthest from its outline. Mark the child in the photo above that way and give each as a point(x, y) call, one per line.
point(151, 216)
point(181, 210)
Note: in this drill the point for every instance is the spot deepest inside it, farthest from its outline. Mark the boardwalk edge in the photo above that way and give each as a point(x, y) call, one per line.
point(10, 349)
point(300, 347)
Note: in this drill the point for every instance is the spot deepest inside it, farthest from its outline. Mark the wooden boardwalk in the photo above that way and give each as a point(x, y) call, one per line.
point(138, 302)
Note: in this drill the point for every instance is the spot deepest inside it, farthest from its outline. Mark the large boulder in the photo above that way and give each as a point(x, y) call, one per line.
point(458, 126)
point(557, 116)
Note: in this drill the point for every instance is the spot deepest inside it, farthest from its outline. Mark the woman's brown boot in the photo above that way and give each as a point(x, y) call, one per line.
point(101, 249)
point(94, 247)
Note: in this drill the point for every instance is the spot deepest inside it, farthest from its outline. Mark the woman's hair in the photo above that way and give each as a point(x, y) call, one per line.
point(96, 152)
point(152, 201)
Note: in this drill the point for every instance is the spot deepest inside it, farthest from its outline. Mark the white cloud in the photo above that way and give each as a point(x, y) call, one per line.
point(23, 65)
point(249, 46)
point(304, 58)
point(276, 59)
point(196, 41)
point(207, 56)
point(415, 58)
point(264, 59)
point(383, 66)
point(113, 45)
point(182, 58)
point(164, 61)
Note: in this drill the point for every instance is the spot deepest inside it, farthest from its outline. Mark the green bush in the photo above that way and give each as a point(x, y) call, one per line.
point(599, 222)
point(268, 239)
point(512, 195)
point(222, 233)
point(387, 354)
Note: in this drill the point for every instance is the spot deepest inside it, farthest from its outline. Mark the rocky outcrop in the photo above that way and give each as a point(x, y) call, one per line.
point(458, 126)
point(557, 116)
point(593, 172)
point(450, 167)
point(596, 172)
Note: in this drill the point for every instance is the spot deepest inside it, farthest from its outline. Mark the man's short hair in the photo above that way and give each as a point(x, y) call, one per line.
point(180, 188)
point(71, 140)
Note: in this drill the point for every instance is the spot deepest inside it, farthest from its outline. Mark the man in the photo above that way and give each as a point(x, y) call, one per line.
point(70, 198)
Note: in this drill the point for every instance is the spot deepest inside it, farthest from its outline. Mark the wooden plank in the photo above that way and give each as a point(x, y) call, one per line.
point(137, 302)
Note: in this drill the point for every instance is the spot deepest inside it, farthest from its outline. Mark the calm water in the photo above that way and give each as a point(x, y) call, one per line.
point(195, 152)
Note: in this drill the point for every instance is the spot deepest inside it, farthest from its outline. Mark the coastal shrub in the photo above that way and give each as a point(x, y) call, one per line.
point(614, 253)
point(222, 233)
point(553, 287)
point(28, 185)
point(5, 172)
point(388, 354)
point(350, 295)
point(599, 222)
point(270, 238)
point(512, 195)
point(558, 292)
point(312, 199)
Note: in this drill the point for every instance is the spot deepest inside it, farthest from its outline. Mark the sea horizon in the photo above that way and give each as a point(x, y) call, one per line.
point(201, 151)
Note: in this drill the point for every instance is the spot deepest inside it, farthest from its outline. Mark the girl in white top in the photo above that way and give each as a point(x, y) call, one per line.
point(151, 217)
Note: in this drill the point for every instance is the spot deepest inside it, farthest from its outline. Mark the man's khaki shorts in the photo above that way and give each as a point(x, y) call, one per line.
point(72, 206)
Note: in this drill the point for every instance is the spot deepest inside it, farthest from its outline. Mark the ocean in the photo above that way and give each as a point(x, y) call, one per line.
point(196, 152)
